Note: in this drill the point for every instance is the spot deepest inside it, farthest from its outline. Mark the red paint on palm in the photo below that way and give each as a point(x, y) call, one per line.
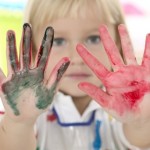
point(134, 96)
point(126, 88)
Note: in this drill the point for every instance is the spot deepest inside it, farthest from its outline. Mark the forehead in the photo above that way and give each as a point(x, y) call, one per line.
point(75, 25)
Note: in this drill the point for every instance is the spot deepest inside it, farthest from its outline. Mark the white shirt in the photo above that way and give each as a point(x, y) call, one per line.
point(63, 128)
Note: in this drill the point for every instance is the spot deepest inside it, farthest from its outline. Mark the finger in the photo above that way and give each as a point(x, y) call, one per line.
point(13, 64)
point(52, 83)
point(45, 48)
point(96, 93)
point(126, 46)
point(110, 47)
point(146, 57)
point(25, 54)
point(92, 62)
point(58, 72)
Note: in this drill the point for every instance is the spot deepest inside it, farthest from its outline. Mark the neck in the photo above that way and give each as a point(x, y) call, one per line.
point(81, 103)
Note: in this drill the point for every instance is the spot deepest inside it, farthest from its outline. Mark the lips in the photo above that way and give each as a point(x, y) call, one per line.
point(78, 75)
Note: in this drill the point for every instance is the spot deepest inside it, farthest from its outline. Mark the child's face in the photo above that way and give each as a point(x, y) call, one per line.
point(68, 33)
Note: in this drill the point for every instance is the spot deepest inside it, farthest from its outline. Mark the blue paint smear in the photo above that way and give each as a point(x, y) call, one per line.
point(97, 141)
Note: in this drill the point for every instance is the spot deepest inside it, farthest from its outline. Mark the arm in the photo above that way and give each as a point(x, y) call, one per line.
point(16, 136)
point(127, 87)
point(25, 93)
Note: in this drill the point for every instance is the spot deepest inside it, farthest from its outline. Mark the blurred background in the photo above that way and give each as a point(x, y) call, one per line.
point(137, 14)
point(11, 12)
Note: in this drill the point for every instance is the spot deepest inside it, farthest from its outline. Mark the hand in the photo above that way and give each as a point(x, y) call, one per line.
point(25, 92)
point(128, 85)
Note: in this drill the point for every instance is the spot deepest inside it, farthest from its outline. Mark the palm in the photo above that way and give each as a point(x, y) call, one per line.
point(28, 80)
point(129, 83)
point(25, 92)
point(126, 87)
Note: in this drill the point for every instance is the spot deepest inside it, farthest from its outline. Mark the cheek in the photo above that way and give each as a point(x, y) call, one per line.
point(101, 55)
point(105, 61)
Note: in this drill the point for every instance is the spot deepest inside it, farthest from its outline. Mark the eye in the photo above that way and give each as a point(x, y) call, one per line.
point(59, 42)
point(93, 39)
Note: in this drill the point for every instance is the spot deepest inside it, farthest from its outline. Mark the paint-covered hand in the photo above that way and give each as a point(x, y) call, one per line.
point(127, 87)
point(26, 92)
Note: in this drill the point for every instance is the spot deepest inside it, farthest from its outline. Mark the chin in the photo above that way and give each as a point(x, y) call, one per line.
point(73, 93)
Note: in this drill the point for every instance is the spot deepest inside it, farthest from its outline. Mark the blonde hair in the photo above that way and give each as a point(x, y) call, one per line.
point(38, 12)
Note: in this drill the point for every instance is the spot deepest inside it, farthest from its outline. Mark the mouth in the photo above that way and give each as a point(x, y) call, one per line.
point(77, 76)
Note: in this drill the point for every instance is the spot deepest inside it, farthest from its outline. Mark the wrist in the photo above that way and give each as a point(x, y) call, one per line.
point(138, 134)
point(11, 126)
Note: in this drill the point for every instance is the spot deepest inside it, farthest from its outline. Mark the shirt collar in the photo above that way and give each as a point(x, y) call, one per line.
point(67, 111)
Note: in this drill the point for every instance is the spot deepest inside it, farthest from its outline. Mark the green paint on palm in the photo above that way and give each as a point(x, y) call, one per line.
point(32, 80)
point(18, 83)
point(45, 96)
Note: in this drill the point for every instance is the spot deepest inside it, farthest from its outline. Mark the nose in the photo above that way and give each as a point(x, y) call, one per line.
point(74, 56)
